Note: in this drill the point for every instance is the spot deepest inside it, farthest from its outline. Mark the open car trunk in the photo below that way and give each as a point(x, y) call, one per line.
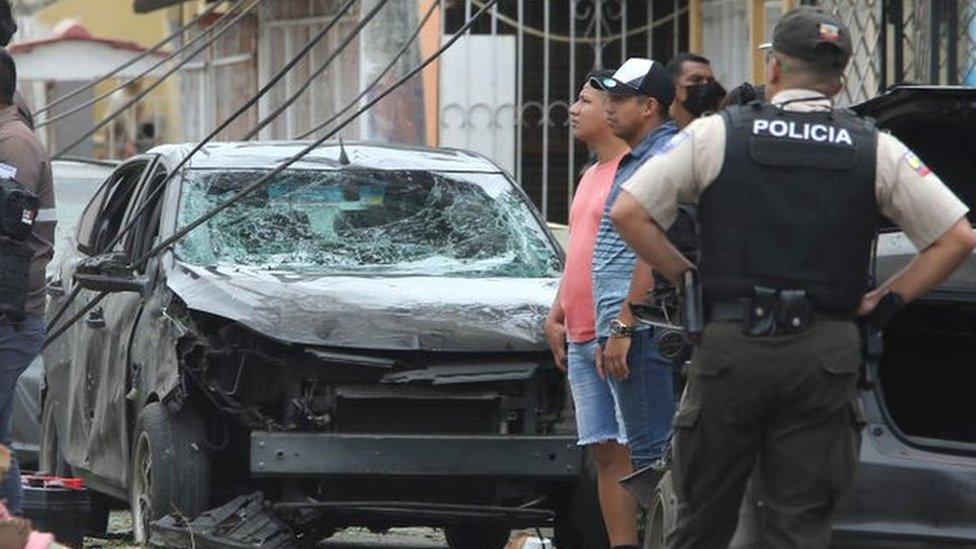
point(926, 374)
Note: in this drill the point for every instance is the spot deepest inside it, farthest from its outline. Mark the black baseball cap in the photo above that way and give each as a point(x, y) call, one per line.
point(638, 76)
point(811, 34)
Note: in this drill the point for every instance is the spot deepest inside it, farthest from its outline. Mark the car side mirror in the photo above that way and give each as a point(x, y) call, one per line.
point(110, 273)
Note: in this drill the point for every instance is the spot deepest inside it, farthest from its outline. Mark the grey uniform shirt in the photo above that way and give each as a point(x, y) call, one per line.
point(907, 192)
point(23, 159)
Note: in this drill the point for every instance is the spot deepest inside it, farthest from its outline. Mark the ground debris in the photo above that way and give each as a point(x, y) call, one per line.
point(243, 522)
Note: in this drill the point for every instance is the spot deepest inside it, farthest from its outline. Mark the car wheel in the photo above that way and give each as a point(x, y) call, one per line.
point(579, 522)
point(660, 517)
point(50, 461)
point(170, 468)
point(477, 536)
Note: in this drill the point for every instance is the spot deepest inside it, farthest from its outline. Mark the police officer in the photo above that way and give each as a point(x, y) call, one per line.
point(788, 193)
point(24, 163)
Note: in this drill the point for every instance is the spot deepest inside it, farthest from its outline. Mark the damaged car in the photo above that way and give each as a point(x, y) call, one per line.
point(357, 343)
point(915, 485)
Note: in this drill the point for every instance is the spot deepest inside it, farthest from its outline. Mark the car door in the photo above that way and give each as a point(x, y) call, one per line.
point(74, 365)
point(109, 438)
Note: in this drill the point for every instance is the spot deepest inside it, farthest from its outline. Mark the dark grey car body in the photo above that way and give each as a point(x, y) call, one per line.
point(916, 482)
point(313, 383)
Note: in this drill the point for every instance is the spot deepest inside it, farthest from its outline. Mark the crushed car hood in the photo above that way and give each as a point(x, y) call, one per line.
point(388, 313)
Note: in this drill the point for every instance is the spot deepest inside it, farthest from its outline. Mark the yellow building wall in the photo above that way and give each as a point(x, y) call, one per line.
point(115, 19)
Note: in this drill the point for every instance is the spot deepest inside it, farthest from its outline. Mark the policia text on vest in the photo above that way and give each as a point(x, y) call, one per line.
point(820, 133)
point(790, 211)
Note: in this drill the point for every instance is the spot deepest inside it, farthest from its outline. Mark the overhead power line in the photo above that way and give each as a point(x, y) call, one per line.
point(220, 32)
point(176, 237)
point(372, 85)
point(135, 59)
point(186, 159)
point(318, 71)
point(62, 115)
point(181, 233)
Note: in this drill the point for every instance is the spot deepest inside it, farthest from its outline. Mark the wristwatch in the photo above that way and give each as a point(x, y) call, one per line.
point(619, 329)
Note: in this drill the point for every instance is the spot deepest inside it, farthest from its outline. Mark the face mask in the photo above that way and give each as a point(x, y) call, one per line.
point(702, 98)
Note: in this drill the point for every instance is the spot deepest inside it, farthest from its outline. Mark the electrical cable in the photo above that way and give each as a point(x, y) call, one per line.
point(62, 115)
point(318, 71)
point(166, 243)
point(177, 33)
point(277, 77)
point(309, 148)
point(220, 32)
point(379, 77)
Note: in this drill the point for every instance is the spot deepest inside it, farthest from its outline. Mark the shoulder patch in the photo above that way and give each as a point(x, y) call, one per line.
point(7, 171)
point(916, 164)
point(675, 140)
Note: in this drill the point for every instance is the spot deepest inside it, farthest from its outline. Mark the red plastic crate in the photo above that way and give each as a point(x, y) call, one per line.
point(43, 481)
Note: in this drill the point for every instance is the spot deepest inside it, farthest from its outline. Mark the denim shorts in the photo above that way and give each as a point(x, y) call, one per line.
point(597, 414)
point(636, 411)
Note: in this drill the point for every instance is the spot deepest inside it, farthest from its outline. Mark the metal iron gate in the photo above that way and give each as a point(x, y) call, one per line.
point(557, 42)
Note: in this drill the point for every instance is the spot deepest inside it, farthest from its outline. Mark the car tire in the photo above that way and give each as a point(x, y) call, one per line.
point(51, 461)
point(660, 517)
point(579, 521)
point(477, 536)
point(170, 468)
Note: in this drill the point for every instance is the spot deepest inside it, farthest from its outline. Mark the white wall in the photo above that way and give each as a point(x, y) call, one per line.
point(477, 97)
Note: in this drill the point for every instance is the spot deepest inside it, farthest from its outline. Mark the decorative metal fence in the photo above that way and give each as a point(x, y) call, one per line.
point(556, 43)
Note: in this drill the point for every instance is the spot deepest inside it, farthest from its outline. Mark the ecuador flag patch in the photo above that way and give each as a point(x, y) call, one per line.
point(915, 163)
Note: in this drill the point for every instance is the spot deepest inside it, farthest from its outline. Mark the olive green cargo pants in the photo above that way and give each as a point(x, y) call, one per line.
point(782, 406)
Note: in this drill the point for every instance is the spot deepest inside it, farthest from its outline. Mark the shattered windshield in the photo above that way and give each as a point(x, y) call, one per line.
point(367, 222)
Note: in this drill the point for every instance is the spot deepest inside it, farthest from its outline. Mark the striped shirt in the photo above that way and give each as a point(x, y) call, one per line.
point(613, 260)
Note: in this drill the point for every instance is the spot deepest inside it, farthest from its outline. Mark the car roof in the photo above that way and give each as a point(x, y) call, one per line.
point(897, 96)
point(382, 156)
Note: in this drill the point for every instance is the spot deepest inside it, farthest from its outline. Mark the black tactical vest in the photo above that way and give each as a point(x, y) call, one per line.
point(18, 210)
point(793, 208)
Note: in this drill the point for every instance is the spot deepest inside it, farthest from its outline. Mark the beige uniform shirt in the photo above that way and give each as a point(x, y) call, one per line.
point(23, 159)
point(907, 192)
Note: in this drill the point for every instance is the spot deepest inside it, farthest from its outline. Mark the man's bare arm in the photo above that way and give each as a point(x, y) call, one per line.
point(929, 268)
point(647, 238)
point(641, 282)
point(555, 328)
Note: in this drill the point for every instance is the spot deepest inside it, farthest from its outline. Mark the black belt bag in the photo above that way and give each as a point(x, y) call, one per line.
point(770, 312)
